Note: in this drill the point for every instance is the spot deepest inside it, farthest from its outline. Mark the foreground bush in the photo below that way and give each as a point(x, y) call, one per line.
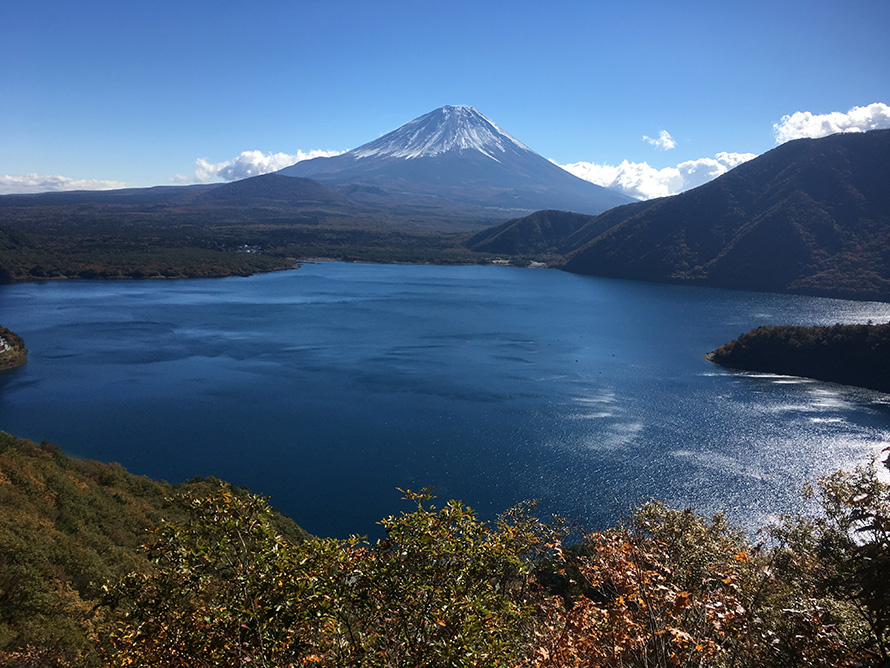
point(664, 588)
point(443, 589)
point(67, 527)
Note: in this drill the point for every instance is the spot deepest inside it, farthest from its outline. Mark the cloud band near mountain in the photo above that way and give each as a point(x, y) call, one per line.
point(636, 179)
point(803, 124)
point(642, 181)
point(247, 164)
point(40, 183)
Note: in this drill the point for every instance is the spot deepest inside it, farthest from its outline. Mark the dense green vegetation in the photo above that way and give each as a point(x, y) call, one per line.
point(42, 254)
point(255, 225)
point(12, 349)
point(227, 581)
point(208, 251)
point(68, 528)
point(849, 354)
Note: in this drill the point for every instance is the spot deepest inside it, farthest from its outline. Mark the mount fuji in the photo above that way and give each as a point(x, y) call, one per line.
point(456, 157)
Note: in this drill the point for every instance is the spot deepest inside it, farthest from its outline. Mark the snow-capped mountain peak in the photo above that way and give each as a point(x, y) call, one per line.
point(444, 130)
point(453, 159)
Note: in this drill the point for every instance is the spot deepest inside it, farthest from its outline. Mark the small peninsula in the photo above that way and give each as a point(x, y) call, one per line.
point(848, 354)
point(12, 350)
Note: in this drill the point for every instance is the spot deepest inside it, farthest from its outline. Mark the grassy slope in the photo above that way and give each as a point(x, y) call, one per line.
point(68, 527)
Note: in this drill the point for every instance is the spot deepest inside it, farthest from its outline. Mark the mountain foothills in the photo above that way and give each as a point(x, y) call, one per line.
point(258, 224)
point(812, 216)
point(224, 580)
point(413, 195)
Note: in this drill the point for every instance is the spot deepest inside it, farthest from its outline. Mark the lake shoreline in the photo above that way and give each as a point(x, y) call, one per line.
point(494, 262)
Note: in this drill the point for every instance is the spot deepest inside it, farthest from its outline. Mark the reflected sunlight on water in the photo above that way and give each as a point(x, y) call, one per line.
point(328, 387)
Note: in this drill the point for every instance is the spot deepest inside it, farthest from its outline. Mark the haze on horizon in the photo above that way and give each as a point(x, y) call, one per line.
point(643, 98)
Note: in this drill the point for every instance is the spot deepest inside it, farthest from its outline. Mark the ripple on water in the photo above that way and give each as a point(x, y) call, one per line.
point(329, 387)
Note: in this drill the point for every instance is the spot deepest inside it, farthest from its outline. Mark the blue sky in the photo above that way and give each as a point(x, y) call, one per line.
point(135, 92)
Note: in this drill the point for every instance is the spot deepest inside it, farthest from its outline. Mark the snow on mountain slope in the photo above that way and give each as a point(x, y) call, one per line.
point(446, 129)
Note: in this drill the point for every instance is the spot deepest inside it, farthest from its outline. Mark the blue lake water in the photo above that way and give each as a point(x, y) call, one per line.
point(328, 387)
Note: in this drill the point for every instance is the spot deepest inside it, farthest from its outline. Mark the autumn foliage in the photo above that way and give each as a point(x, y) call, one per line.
point(225, 581)
point(442, 589)
point(663, 588)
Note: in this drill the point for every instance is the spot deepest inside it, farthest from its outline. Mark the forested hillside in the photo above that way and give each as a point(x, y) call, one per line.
point(848, 354)
point(811, 217)
point(541, 234)
point(258, 224)
point(68, 529)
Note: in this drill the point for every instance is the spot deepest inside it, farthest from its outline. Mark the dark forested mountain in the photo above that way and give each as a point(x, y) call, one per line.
point(124, 197)
point(457, 155)
point(270, 190)
point(811, 216)
point(543, 232)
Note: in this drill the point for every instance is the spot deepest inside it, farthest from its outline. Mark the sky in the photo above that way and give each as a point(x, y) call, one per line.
point(647, 97)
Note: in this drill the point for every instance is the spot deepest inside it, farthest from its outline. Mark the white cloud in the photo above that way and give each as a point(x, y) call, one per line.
point(40, 183)
point(699, 172)
point(249, 163)
point(637, 179)
point(642, 181)
point(664, 141)
point(802, 124)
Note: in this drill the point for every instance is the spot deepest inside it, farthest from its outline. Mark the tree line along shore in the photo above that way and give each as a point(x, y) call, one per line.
point(847, 354)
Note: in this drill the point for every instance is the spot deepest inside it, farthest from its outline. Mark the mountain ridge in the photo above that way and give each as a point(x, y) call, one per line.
point(811, 216)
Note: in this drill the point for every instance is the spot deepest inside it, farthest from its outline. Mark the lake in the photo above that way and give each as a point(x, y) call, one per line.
point(328, 387)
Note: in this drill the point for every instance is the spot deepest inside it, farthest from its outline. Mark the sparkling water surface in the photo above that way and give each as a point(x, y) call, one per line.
point(328, 387)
